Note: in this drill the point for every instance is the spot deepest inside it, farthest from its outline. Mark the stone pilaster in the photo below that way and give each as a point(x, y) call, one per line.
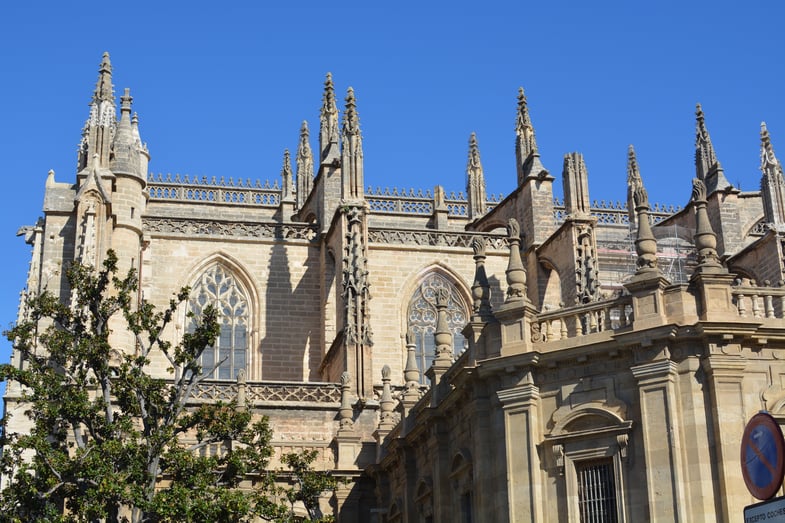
point(661, 440)
point(725, 373)
point(521, 407)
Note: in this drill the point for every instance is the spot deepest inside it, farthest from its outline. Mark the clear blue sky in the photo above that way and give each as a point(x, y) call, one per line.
point(221, 89)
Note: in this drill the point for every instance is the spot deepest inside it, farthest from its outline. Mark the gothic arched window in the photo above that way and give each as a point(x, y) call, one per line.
point(218, 287)
point(422, 319)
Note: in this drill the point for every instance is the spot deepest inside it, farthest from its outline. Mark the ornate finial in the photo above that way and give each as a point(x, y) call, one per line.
point(633, 172)
point(698, 190)
point(772, 182)
point(481, 290)
point(645, 243)
point(286, 177)
point(125, 102)
point(705, 239)
point(386, 402)
point(304, 163)
point(104, 90)
point(516, 275)
point(345, 412)
point(411, 372)
point(524, 130)
point(352, 153)
point(351, 122)
point(328, 120)
point(442, 334)
point(633, 181)
point(475, 180)
point(513, 230)
point(478, 246)
point(641, 197)
point(767, 157)
point(474, 154)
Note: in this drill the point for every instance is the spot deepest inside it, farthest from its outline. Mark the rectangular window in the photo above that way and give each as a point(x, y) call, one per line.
point(596, 492)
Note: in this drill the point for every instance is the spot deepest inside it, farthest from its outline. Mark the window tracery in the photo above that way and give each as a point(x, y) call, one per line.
point(422, 319)
point(218, 287)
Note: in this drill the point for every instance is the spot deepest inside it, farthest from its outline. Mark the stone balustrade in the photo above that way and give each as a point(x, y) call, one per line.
point(615, 213)
point(192, 189)
point(759, 302)
point(583, 319)
point(258, 393)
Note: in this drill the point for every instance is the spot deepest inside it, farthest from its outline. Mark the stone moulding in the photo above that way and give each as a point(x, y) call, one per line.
point(435, 238)
point(196, 227)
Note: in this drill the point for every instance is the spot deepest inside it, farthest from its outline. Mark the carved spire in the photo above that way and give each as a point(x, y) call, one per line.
point(125, 149)
point(328, 123)
point(352, 153)
point(707, 167)
point(575, 180)
point(475, 181)
point(287, 190)
point(526, 153)
point(516, 275)
point(98, 131)
point(633, 182)
point(481, 289)
point(772, 183)
point(705, 239)
point(304, 166)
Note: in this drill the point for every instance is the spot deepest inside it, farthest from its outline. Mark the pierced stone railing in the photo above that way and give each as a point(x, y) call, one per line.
point(419, 202)
point(583, 319)
point(615, 213)
point(221, 191)
point(759, 302)
point(256, 393)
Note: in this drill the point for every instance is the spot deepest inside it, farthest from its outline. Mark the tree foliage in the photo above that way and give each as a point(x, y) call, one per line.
point(111, 442)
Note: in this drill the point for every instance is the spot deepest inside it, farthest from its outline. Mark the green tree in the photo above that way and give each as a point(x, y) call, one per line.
point(111, 442)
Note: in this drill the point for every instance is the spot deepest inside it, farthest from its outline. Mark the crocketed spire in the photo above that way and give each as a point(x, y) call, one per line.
point(304, 163)
point(98, 131)
point(328, 122)
point(352, 153)
point(527, 156)
point(707, 167)
point(475, 180)
point(772, 183)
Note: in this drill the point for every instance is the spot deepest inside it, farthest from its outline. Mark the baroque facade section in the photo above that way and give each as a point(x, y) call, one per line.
point(456, 357)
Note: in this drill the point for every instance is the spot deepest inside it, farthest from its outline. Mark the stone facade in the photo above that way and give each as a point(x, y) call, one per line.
point(457, 356)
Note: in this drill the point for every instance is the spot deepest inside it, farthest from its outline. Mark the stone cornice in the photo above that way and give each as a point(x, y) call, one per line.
point(189, 227)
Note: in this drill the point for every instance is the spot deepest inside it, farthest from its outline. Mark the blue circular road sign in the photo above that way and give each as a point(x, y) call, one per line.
point(763, 456)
